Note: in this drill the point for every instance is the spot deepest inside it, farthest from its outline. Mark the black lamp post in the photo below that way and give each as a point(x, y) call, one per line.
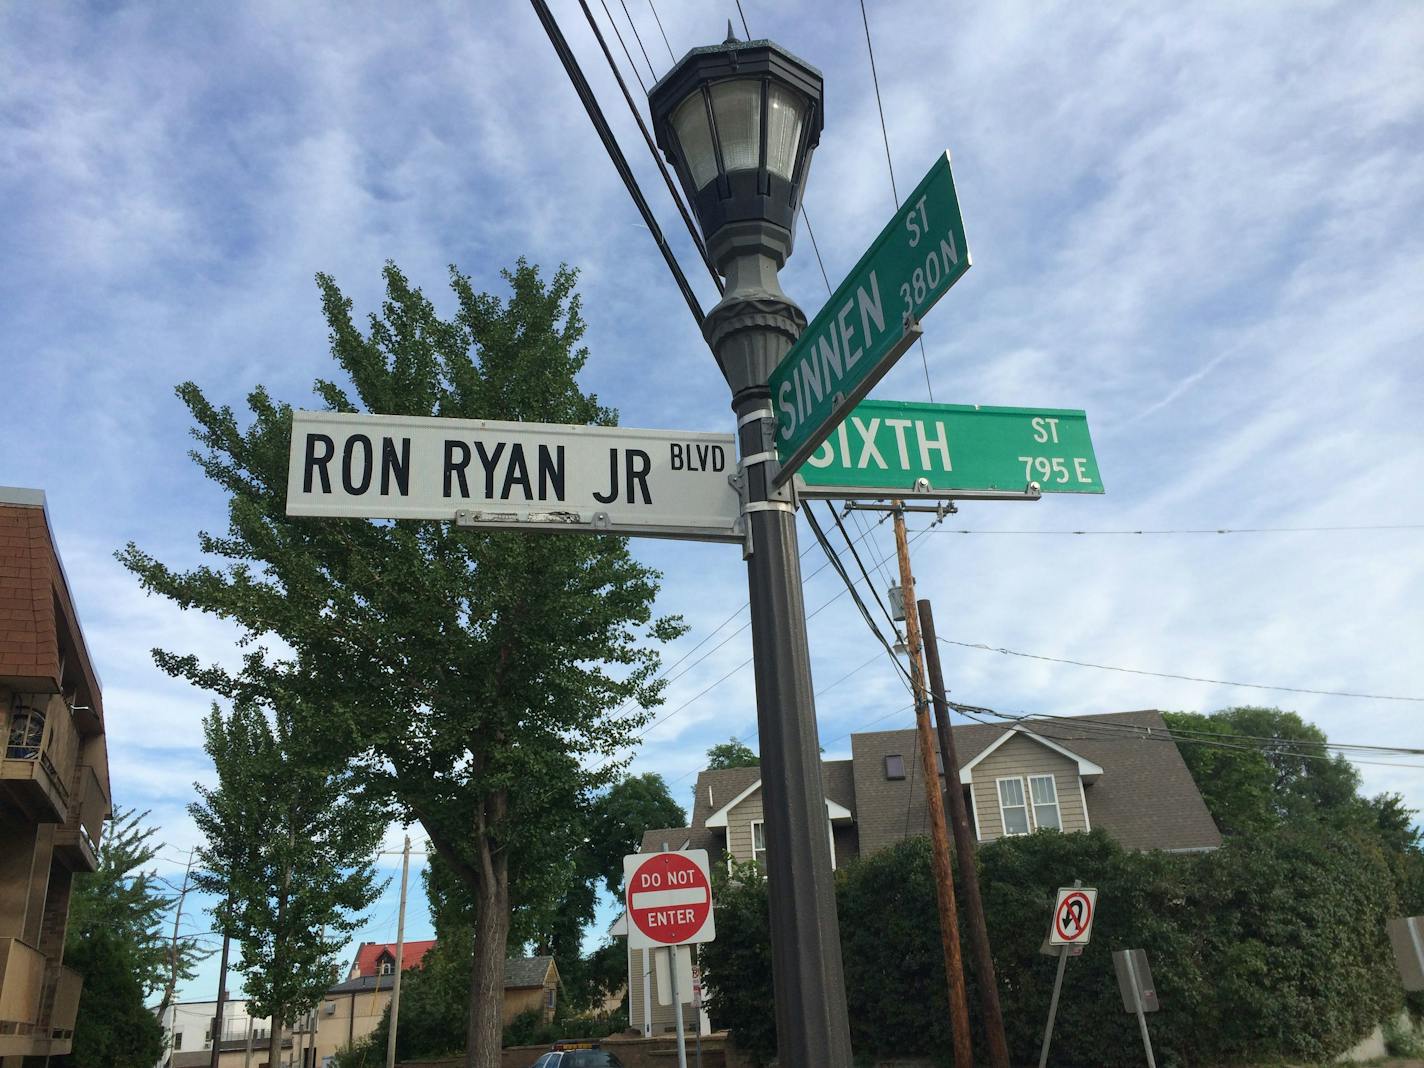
point(739, 122)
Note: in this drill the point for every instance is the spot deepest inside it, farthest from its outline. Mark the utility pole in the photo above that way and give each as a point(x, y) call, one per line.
point(247, 1056)
point(400, 958)
point(173, 958)
point(944, 881)
point(222, 997)
point(964, 846)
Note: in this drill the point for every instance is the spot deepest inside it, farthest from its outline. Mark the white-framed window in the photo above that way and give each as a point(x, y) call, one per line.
point(759, 841)
point(1044, 792)
point(1013, 805)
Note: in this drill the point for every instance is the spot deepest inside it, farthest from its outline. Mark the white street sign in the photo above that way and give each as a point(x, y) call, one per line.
point(523, 476)
point(1073, 916)
point(669, 898)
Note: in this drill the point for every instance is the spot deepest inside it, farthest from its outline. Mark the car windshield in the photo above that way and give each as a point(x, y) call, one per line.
point(590, 1058)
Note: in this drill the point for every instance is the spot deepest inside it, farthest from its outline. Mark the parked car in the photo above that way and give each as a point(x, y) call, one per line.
point(580, 1053)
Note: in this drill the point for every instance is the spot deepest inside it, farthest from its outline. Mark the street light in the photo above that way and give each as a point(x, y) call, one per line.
point(739, 121)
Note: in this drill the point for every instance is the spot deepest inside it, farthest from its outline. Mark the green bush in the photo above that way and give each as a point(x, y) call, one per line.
point(1405, 1040)
point(737, 963)
point(529, 1028)
point(363, 1054)
point(1269, 948)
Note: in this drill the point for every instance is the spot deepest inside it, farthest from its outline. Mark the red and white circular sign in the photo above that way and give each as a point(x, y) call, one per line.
point(1073, 916)
point(669, 898)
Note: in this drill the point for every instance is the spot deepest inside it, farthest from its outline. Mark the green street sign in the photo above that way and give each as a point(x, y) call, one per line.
point(902, 449)
point(871, 319)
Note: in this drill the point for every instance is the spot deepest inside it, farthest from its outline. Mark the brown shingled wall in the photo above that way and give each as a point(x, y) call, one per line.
point(29, 647)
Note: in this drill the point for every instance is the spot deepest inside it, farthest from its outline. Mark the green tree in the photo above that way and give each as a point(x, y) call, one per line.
point(117, 942)
point(113, 1029)
point(615, 822)
point(731, 754)
point(1277, 772)
point(289, 854)
point(122, 898)
point(634, 804)
point(469, 673)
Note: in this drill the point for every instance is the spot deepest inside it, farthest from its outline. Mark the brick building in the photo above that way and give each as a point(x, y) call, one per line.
point(54, 780)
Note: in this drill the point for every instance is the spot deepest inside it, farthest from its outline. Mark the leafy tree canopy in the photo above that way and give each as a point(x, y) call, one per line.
point(619, 817)
point(131, 904)
point(731, 754)
point(113, 1028)
point(289, 854)
point(1277, 772)
point(468, 673)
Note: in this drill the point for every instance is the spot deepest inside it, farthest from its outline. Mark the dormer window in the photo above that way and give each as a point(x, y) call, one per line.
point(1045, 802)
point(385, 967)
point(1013, 807)
point(894, 766)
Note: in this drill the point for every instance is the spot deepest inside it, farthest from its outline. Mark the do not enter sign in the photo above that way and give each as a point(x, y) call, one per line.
point(1073, 916)
point(669, 898)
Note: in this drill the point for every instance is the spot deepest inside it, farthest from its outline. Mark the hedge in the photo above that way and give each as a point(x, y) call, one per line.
point(1272, 948)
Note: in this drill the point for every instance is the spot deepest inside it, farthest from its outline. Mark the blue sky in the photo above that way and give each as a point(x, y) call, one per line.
point(1201, 223)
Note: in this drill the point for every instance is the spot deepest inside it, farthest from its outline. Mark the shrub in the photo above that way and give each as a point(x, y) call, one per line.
point(738, 962)
point(1269, 948)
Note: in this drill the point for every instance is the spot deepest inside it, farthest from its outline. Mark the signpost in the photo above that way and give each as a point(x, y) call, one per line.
point(901, 449)
point(521, 476)
point(1070, 929)
point(669, 902)
point(871, 319)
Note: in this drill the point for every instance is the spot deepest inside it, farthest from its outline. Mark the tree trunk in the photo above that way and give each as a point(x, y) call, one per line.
point(274, 1041)
point(485, 1029)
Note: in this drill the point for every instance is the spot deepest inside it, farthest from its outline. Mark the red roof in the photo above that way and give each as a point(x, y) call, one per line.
point(369, 953)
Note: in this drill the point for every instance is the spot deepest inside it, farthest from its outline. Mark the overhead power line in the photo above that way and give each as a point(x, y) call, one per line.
point(638, 37)
point(648, 140)
point(662, 31)
point(610, 143)
point(1184, 678)
point(1087, 727)
point(890, 165)
point(1201, 530)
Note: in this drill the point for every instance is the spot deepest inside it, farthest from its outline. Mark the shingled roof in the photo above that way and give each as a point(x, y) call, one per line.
point(1145, 798)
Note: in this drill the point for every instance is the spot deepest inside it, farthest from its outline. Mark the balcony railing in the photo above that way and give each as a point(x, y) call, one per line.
point(21, 986)
point(41, 745)
point(68, 986)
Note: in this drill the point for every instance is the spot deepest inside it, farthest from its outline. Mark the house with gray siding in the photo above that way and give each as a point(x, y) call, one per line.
point(1119, 772)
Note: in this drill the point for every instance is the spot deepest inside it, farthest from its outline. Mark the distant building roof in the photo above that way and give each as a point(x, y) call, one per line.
point(527, 972)
point(368, 956)
point(519, 972)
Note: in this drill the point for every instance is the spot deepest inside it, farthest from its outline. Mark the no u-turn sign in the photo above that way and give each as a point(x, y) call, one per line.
point(669, 898)
point(1073, 916)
